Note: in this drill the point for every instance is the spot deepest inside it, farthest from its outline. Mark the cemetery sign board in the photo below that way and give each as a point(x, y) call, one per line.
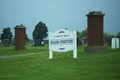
point(62, 41)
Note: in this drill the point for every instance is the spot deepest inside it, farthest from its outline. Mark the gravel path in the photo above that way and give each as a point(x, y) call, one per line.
point(1, 57)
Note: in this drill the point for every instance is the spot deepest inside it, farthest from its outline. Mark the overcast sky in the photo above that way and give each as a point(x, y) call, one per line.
point(58, 14)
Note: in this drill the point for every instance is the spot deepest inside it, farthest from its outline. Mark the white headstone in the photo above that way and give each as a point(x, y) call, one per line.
point(115, 43)
point(42, 42)
point(62, 41)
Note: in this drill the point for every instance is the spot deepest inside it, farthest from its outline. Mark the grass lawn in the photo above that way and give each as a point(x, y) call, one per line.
point(100, 66)
point(7, 51)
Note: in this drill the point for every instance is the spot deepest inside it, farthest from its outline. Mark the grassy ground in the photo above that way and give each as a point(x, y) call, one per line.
point(100, 66)
point(6, 51)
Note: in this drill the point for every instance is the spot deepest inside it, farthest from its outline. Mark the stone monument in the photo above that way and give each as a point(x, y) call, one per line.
point(38, 42)
point(20, 37)
point(46, 41)
point(31, 41)
point(79, 42)
point(95, 33)
point(115, 43)
point(6, 43)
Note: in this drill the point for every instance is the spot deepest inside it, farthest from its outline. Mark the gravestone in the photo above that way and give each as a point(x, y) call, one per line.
point(42, 43)
point(38, 42)
point(115, 43)
point(13, 43)
point(79, 42)
point(20, 37)
point(85, 41)
point(108, 40)
point(82, 40)
point(31, 41)
point(119, 39)
point(46, 41)
point(95, 33)
point(6, 42)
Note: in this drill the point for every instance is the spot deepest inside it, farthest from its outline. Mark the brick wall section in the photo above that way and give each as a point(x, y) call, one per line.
point(20, 38)
point(95, 30)
point(95, 49)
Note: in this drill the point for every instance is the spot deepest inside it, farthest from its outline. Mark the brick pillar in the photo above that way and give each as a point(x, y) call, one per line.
point(95, 32)
point(20, 37)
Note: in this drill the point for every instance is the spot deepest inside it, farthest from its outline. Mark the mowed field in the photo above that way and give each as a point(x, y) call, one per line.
point(99, 66)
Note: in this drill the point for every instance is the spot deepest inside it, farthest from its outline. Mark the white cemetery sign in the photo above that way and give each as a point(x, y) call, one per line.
point(115, 43)
point(62, 41)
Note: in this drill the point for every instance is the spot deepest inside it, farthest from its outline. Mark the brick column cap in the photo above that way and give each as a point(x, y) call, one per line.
point(95, 13)
point(20, 26)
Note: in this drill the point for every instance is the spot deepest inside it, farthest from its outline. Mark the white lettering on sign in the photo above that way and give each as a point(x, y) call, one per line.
point(62, 41)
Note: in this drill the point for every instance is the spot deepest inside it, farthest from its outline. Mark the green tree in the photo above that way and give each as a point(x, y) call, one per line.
point(65, 28)
point(40, 31)
point(118, 35)
point(0, 36)
point(7, 34)
point(27, 39)
point(79, 34)
point(108, 35)
point(84, 33)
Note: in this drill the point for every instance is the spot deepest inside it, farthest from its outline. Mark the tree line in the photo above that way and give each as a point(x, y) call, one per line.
point(85, 32)
point(7, 34)
point(40, 32)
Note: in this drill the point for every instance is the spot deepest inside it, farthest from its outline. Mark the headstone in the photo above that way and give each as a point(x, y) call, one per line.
point(115, 43)
point(42, 43)
point(46, 41)
point(6, 42)
point(95, 33)
point(31, 41)
point(62, 41)
point(79, 42)
point(38, 42)
point(108, 40)
point(84, 41)
point(119, 39)
point(20, 37)
point(13, 43)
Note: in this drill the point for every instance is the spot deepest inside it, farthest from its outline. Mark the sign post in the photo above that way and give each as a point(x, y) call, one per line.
point(62, 41)
point(75, 49)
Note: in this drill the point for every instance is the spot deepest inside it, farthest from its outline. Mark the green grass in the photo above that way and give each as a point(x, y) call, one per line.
point(100, 66)
point(6, 51)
